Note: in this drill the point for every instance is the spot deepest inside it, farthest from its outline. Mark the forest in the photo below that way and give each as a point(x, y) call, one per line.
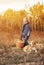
point(12, 20)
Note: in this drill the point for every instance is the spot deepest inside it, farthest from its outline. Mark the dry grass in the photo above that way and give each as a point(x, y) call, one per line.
point(9, 54)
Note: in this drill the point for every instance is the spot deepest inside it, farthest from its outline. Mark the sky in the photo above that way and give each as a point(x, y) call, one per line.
point(17, 4)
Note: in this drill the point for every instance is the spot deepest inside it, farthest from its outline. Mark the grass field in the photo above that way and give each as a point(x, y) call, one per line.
point(10, 55)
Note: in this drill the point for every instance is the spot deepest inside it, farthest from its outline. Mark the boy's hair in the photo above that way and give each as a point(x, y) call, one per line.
point(25, 19)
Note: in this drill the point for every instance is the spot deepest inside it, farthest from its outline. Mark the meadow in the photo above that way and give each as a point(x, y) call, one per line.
point(10, 29)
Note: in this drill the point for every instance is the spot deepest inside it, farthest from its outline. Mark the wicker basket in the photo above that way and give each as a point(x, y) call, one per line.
point(19, 43)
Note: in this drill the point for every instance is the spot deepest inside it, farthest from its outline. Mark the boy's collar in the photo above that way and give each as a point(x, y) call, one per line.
point(26, 23)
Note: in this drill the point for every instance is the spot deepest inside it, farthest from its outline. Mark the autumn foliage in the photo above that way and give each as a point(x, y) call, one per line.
point(37, 17)
point(12, 20)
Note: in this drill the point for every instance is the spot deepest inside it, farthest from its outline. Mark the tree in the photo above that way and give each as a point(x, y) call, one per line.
point(38, 16)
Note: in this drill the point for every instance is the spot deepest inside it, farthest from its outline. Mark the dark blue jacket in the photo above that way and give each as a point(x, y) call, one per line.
point(26, 30)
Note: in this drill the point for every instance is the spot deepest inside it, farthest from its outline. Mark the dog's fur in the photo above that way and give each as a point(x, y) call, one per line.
point(30, 47)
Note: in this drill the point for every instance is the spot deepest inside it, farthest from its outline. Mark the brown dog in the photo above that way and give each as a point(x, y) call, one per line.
point(30, 47)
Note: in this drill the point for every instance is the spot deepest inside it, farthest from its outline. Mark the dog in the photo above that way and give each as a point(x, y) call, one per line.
point(30, 47)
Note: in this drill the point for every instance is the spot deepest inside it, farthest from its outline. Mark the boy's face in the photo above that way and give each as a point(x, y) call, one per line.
point(24, 21)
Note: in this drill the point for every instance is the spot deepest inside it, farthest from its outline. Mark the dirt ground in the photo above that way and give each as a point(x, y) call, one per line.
point(10, 55)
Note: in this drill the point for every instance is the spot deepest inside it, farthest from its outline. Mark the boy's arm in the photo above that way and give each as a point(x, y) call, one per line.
point(21, 37)
point(22, 31)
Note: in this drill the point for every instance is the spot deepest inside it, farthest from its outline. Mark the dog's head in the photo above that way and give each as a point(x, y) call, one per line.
point(32, 43)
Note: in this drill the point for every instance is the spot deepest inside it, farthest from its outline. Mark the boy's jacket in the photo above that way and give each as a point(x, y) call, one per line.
point(26, 30)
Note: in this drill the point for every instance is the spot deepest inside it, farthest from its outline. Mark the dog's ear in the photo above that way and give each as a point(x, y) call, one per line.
point(34, 43)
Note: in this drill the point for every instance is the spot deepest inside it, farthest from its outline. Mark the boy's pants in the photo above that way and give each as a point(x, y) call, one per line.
point(26, 40)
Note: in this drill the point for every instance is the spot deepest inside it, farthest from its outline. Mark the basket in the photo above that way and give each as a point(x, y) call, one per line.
point(19, 43)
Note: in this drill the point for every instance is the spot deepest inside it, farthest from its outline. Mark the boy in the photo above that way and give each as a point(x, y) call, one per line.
point(25, 31)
